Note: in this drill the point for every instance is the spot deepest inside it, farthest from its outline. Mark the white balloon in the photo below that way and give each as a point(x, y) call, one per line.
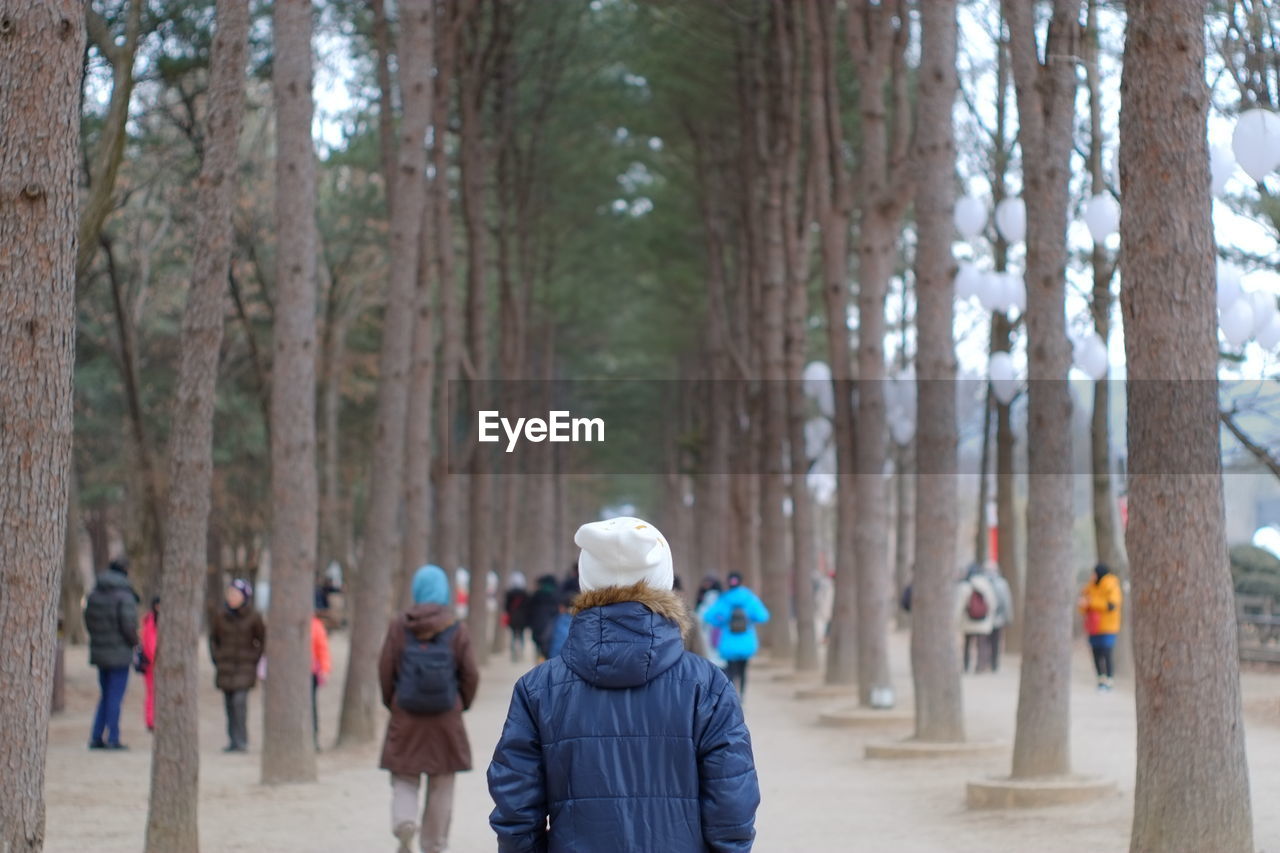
point(1256, 142)
point(1222, 165)
point(1011, 219)
point(1237, 322)
point(1089, 354)
point(902, 429)
point(970, 216)
point(968, 281)
point(991, 293)
point(817, 436)
point(1269, 337)
point(1102, 215)
point(1003, 382)
point(1264, 309)
point(1228, 284)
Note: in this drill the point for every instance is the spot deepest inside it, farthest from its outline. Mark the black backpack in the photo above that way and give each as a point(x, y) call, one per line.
point(427, 682)
point(738, 621)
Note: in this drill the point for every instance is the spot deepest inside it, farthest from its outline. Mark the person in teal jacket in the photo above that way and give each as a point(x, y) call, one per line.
point(736, 613)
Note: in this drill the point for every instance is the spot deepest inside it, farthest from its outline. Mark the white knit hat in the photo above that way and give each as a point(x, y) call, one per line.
point(621, 552)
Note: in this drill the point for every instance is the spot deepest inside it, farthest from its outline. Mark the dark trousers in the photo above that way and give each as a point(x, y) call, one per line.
point(112, 681)
point(315, 710)
point(237, 703)
point(994, 644)
point(973, 644)
point(737, 672)
point(1104, 658)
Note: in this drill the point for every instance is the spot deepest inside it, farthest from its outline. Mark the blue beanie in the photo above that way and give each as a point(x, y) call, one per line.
point(430, 586)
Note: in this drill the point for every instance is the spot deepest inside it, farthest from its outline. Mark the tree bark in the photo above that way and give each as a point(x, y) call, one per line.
point(175, 762)
point(372, 590)
point(40, 69)
point(904, 524)
point(71, 608)
point(934, 665)
point(288, 751)
point(1046, 110)
point(1192, 788)
point(417, 469)
point(832, 206)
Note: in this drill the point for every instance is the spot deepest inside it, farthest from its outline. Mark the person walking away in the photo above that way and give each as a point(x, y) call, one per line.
point(516, 609)
point(428, 675)
point(977, 608)
point(708, 593)
point(736, 613)
point(148, 640)
point(111, 618)
point(237, 641)
point(558, 631)
point(625, 742)
point(1100, 602)
point(1003, 616)
point(544, 607)
point(321, 665)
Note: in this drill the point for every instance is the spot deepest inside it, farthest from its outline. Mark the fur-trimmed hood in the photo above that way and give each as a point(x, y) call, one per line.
point(625, 636)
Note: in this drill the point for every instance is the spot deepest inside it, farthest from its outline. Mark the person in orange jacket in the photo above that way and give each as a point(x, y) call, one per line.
point(1100, 602)
point(320, 668)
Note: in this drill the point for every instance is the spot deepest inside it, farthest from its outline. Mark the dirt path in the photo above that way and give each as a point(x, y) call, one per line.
point(819, 793)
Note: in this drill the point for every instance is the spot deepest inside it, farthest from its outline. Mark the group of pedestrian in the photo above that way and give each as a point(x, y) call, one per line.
point(542, 614)
point(985, 605)
point(237, 645)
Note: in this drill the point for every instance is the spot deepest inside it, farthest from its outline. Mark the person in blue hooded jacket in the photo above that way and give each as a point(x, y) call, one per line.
point(736, 613)
point(625, 742)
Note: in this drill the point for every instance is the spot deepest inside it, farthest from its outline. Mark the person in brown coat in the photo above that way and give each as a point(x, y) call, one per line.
point(434, 743)
point(237, 639)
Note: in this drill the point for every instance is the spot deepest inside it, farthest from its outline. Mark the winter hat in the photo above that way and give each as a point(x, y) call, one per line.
point(735, 579)
point(516, 580)
point(430, 586)
point(119, 564)
point(246, 588)
point(621, 552)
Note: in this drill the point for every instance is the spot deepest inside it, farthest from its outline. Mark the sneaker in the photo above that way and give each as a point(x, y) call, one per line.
point(404, 834)
point(97, 744)
point(116, 746)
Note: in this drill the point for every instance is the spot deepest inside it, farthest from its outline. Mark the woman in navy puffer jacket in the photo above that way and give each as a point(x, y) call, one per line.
point(626, 741)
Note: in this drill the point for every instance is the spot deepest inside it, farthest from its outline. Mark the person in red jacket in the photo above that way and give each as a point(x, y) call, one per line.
point(148, 639)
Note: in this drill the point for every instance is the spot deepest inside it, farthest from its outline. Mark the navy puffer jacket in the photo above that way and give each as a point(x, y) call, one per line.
point(627, 742)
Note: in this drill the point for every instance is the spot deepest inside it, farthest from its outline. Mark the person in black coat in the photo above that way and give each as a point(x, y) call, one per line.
point(625, 742)
point(544, 607)
point(111, 618)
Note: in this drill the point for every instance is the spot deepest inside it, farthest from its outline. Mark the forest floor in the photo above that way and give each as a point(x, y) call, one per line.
point(819, 793)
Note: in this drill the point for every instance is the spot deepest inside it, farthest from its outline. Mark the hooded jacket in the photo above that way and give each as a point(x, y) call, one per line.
point(626, 741)
point(1102, 597)
point(418, 743)
point(237, 639)
point(111, 618)
point(741, 646)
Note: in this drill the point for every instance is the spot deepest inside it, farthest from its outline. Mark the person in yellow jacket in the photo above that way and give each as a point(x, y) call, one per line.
point(1100, 602)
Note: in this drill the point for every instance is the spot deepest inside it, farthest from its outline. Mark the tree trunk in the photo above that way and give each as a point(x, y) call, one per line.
point(934, 665)
point(372, 590)
point(40, 70)
point(1046, 110)
point(832, 210)
point(175, 760)
point(804, 545)
point(1007, 527)
point(904, 524)
point(288, 751)
point(417, 469)
point(72, 606)
point(1192, 788)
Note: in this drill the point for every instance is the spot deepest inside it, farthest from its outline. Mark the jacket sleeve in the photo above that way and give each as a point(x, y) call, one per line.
point(517, 781)
point(260, 633)
point(1115, 595)
point(729, 791)
point(387, 661)
point(717, 614)
point(468, 672)
point(215, 637)
point(127, 613)
point(759, 613)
